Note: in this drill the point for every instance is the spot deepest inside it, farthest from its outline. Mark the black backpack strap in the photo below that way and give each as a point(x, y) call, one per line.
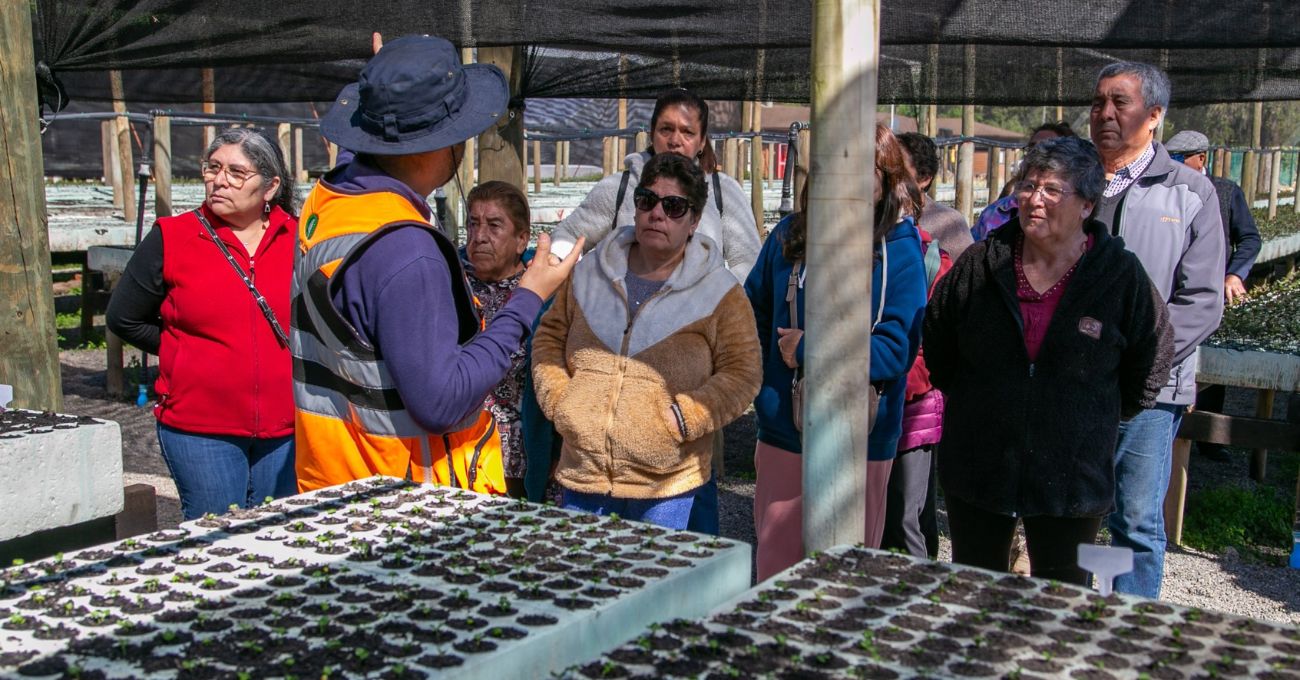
point(717, 192)
point(618, 202)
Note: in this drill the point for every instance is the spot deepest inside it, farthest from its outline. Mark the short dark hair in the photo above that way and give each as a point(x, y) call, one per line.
point(924, 154)
point(678, 167)
point(506, 195)
point(1073, 159)
point(1060, 128)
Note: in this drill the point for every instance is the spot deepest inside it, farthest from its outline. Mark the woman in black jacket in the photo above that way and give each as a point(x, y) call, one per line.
point(1042, 338)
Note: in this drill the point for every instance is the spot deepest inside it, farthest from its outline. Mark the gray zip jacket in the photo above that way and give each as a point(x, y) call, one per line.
point(1169, 218)
point(734, 229)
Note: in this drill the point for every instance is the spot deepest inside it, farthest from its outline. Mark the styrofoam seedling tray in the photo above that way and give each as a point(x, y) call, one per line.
point(859, 613)
point(378, 578)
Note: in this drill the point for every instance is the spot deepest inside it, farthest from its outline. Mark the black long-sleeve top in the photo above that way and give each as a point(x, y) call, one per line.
point(1239, 225)
point(133, 309)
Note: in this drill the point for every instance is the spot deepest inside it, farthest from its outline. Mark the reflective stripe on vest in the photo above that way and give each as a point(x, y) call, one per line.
point(351, 420)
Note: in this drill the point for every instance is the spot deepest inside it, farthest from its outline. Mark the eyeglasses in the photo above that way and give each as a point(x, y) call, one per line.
point(1051, 194)
point(645, 200)
point(236, 176)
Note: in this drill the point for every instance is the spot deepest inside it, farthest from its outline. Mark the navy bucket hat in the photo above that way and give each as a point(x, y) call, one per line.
point(415, 96)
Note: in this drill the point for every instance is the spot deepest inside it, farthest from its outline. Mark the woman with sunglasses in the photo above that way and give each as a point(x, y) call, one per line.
point(679, 124)
point(208, 292)
point(646, 351)
point(1072, 338)
point(776, 290)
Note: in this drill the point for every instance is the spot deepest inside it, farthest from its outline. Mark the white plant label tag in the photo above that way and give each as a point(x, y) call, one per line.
point(6, 395)
point(1105, 562)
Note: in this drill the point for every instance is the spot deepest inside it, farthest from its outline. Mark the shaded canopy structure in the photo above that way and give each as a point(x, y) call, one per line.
point(992, 52)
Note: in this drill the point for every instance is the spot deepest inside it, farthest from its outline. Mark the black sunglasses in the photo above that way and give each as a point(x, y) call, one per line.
point(645, 200)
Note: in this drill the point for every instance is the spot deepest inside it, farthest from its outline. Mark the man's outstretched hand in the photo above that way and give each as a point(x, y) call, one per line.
point(546, 272)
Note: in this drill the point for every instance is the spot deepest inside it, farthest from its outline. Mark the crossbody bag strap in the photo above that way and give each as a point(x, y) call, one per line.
point(618, 202)
point(257, 295)
point(717, 192)
point(792, 299)
point(884, 284)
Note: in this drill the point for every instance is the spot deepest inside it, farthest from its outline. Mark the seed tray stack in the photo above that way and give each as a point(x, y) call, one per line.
point(378, 578)
point(858, 613)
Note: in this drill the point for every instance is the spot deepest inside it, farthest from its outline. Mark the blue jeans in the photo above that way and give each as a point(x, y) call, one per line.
point(213, 472)
point(1142, 461)
point(670, 513)
point(704, 511)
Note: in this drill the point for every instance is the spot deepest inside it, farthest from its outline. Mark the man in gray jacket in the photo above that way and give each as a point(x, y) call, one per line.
point(1168, 215)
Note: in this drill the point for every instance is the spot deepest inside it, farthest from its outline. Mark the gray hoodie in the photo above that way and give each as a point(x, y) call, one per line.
point(1169, 218)
point(734, 229)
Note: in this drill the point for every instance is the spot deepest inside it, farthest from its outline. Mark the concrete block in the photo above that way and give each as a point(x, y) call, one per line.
point(65, 470)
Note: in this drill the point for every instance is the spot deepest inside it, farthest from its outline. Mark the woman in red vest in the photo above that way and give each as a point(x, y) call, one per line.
point(208, 292)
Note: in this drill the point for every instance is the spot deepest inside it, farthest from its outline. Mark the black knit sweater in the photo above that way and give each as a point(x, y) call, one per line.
point(1039, 439)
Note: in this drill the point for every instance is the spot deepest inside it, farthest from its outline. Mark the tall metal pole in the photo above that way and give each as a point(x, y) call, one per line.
point(30, 358)
point(846, 40)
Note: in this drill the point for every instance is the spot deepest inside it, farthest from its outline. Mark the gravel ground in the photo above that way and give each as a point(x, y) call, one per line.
point(1224, 582)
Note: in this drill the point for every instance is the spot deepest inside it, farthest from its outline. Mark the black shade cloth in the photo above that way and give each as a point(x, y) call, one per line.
point(1045, 53)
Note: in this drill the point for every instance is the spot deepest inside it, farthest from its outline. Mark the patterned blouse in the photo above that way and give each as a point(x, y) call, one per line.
point(504, 399)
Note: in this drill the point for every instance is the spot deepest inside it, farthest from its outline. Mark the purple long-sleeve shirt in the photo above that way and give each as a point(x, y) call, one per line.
point(397, 294)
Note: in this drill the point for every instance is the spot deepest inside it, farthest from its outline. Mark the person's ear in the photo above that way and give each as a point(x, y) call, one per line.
point(1087, 209)
point(272, 189)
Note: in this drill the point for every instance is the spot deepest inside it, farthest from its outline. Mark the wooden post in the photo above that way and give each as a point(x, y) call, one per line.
point(731, 156)
point(564, 165)
point(501, 147)
point(1220, 160)
point(845, 53)
point(642, 140)
point(30, 358)
point(803, 152)
point(537, 167)
point(1060, 112)
point(284, 136)
point(299, 170)
point(1250, 164)
point(1274, 181)
point(112, 171)
point(606, 157)
point(209, 95)
point(998, 171)
point(162, 168)
point(756, 181)
point(125, 161)
point(555, 167)
point(1259, 457)
point(1295, 188)
point(1176, 494)
point(622, 125)
point(965, 201)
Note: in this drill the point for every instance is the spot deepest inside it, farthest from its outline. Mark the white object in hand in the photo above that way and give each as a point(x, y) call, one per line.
point(1105, 562)
point(561, 249)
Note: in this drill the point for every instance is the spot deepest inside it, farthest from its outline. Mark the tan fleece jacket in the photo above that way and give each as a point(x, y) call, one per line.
point(607, 380)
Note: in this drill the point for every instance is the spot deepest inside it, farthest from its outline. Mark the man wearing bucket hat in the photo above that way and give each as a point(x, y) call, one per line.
point(1193, 148)
point(391, 361)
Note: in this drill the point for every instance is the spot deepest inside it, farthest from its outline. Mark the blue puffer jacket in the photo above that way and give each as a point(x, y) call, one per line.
point(893, 344)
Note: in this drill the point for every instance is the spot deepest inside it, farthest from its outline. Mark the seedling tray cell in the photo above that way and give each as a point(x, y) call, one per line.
point(376, 579)
point(857, 613)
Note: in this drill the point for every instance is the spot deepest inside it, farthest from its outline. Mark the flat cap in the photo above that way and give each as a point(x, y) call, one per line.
point(1187, 141)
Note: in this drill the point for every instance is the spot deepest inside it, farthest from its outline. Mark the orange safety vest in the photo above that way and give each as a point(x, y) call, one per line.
point(350, 422)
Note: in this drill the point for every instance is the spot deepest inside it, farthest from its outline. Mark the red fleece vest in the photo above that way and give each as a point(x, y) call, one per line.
point(221, 368)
